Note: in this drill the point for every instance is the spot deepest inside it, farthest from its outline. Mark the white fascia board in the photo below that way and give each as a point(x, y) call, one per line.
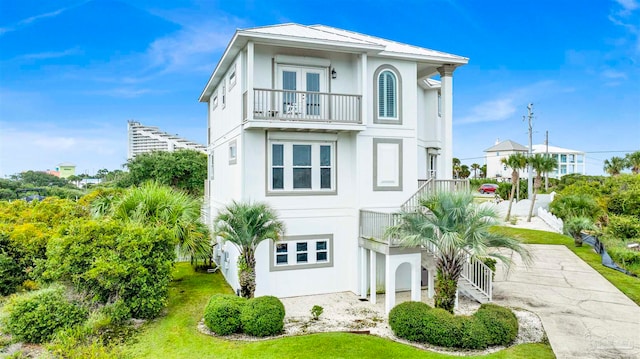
point(219, 70)
point(425, 58)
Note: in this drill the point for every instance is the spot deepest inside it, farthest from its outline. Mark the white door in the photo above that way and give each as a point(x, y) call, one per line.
point(299, 85)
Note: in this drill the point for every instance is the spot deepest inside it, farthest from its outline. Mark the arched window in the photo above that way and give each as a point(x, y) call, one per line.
point(387, 95)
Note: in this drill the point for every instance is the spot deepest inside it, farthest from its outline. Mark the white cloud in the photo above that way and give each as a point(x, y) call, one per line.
point(490, 110)
point(125, 92)
point(613, 74)
point(50, 54)
point(628, 5)
point(30, 20)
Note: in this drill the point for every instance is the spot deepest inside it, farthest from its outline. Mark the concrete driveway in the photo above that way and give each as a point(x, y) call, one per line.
point(583, 314)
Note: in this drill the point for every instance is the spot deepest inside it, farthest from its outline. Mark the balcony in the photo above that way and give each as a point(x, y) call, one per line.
point(285, 109)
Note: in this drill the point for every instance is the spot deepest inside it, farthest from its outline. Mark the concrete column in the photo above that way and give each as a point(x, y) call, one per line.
point(363, 272)
point(364, 79)
point(416, 269)
point(446, 90)
point(431, 283)
point(389, 283)
point(372, 276)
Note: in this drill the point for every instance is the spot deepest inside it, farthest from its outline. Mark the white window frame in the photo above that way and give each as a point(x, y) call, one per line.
point(232, 77)
point(233, 152)
point(291, 252)
point(224, 94)
point(214, 102)
point(288, 168)
point(377, 118)
point(211, 166)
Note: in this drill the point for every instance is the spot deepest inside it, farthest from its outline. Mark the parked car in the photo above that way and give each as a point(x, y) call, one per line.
point(488, 188)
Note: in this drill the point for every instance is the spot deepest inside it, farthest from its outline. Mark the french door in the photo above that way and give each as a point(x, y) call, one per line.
point(299, 85)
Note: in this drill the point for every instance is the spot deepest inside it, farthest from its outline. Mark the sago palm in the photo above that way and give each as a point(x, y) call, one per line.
point(457, 228)
point(516, 162)
point(246, 225)
point(542, 165)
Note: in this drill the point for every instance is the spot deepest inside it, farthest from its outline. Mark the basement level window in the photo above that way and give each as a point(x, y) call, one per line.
point(302, 252)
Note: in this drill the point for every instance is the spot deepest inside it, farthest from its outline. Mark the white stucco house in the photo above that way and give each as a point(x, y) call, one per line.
point(569, 161)
point(335, 130)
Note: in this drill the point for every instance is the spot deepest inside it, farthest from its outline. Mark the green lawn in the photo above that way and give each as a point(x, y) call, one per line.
point(175, 335)
point(628, 285)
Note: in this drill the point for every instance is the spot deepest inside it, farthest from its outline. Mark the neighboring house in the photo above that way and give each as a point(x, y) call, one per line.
point(144, 139)
point(494, 156)
point(335, 130)
point(66, 170)
point(569, 161)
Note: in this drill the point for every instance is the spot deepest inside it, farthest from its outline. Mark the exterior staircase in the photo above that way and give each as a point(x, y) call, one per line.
point(476, 280)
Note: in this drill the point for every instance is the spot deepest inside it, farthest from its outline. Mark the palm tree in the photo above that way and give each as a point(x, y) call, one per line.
point(464, 171)
point(246, 225)
point(457, 228)
point(483, 171)
point(542, 165)
point(475, 167)
point(157, 205)
point(456, 167)
point(516, 161)
point(633, 161)
point(614, 166)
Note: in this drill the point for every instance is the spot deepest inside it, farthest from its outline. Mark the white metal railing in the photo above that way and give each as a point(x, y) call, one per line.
point(373, 225)
point(271, 104)
point(478, 275)
point(432, 185)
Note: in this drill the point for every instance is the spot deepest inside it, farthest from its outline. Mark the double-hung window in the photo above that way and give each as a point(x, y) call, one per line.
point(301, 167)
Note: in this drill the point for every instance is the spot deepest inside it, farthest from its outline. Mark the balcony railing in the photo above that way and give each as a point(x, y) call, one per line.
point(373, 225)
point(269, 104)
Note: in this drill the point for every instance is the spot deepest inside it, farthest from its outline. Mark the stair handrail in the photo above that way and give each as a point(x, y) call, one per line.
point(478, 275)
point(414, 200)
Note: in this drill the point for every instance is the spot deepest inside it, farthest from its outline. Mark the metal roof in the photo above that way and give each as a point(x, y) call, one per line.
point(507, 145)
point(323, 38)
point(542, 148)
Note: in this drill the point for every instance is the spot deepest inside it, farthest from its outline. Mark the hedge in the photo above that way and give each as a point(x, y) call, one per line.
point(406, 320)
point(262, 316)
point(222, 313)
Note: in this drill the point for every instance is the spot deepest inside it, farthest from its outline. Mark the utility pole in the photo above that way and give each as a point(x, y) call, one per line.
point(529, 167)
point(546, 176)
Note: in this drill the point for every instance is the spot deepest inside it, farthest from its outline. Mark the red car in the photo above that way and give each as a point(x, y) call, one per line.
point(488, 188)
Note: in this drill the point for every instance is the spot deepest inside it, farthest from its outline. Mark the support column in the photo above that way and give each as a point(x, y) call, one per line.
point(446, 95)
point(431, 283)
point(416, 271)
point(363, 272)
point(389, 284)
point(372, 276)
point(364, 110)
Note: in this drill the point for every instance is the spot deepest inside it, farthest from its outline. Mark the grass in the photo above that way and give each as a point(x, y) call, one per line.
point(628, 285)
point(175, 335)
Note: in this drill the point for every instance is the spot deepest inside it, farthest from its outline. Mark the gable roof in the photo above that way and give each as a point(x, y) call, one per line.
point(507, 145)
point(323, 38)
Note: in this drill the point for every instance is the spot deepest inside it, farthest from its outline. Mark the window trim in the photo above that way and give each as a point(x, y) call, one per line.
point(376, 142)
point(214, 101)
point(311, 240)
point(233, 152)
point(288, 143)
point(212, 163)
point(385, 120)
point(232, 77)
point(224, 93)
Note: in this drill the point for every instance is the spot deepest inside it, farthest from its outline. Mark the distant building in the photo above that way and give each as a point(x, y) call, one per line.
point(144, 139)
point(494, 155)
point(65, 170)
point(569, 161)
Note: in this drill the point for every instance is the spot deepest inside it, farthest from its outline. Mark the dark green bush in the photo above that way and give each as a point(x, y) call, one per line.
point(500, 322)
point(222, 313)
point(474, 333)
point(37, 316)
point(442, 328)
point(625, 201)
point(11, 276)
point(624, 256)
point(262, 316)
point(406, 320)
point(623, 227)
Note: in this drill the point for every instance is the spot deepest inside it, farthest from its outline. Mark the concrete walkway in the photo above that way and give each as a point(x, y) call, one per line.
point(583, 314)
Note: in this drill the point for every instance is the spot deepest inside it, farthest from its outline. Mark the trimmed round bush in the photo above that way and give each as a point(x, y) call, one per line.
point(500, 322)
point(262, 316)
point(37, 316)
point(222, 314)
point(406, 320)
point(442, 328)
point(474, 334)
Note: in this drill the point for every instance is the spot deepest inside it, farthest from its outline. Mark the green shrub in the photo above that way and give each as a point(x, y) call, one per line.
point(316, 311)
point(575, 225)
point(579, 205)
point(10, 275)
point(36, 316)
point(624, 256)
point(625, 202)
point(262, 316)
point(623, 227)
point(500, 322)
point(491, 263)
point(474, 333)
point(442, 328)
point(406, 320)
point(222, 313)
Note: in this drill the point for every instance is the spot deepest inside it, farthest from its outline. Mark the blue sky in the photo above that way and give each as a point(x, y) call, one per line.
point(73, 72)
